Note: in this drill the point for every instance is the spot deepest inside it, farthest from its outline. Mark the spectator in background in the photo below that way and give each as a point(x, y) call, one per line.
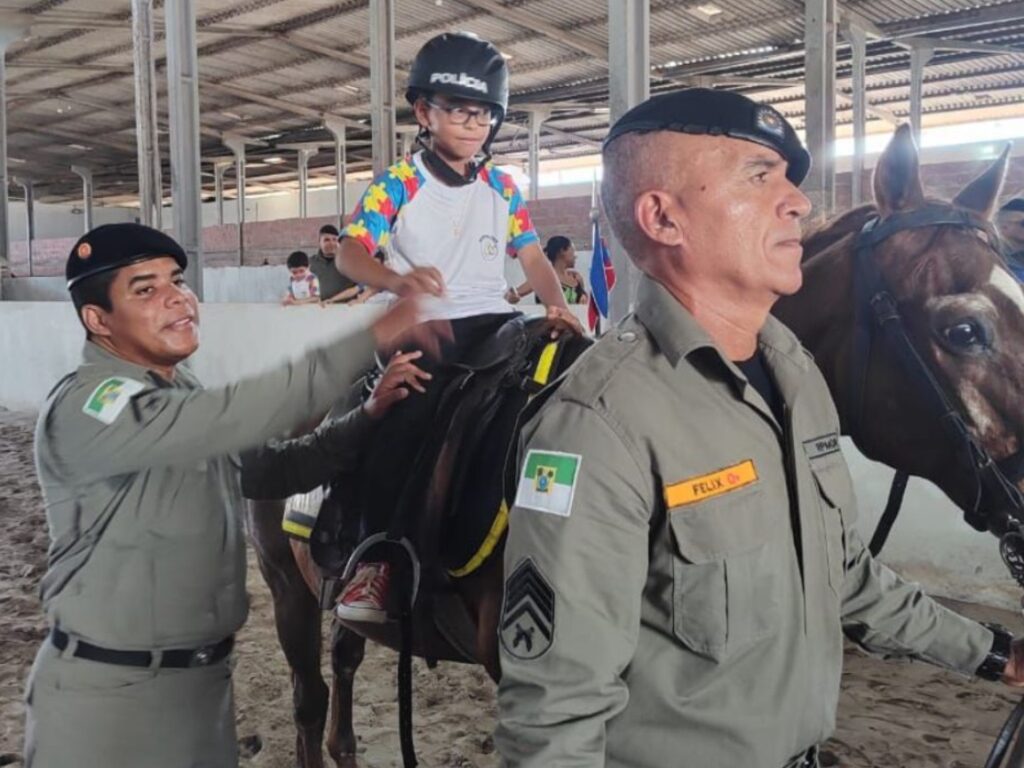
point(304, 287)
point(562, 255)
point(366, 292)
point(335, 288)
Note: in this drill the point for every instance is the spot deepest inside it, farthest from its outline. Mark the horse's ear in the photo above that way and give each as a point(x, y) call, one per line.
point(982, 194)
point(897, 178)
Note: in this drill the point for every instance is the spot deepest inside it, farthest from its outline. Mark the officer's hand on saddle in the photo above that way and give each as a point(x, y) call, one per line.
point(563, 321)
point(401, 375)
point(420, 280)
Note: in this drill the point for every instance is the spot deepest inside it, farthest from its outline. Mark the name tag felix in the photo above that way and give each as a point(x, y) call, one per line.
point(713, 484)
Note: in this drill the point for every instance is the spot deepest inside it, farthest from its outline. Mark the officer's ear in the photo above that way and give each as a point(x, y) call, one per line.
point(658, 216)
point(94, 318)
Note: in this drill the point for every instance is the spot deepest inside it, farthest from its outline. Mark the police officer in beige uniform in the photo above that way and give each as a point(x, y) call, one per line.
point(145, 585)
point(682, 558)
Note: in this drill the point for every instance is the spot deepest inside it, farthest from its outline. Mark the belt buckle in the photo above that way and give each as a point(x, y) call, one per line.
point(202, 657)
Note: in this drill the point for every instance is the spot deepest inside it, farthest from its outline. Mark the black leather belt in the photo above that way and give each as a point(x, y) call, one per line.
point(178, 658)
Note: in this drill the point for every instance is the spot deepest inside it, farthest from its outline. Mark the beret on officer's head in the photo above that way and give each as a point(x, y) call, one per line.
point(113, 246)
point(717, 113)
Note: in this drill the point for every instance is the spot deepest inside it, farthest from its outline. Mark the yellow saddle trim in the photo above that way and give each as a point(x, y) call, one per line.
point(490, 542)
point(541, 375)
point(296, 529)
point(547, 359)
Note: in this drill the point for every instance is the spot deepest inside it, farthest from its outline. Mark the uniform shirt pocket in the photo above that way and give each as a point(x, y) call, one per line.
point(838, 510)
point(725, 578)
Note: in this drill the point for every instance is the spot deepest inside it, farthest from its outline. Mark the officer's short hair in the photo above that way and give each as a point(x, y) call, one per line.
point(94, 290)
point(632, 165)
point(328, 229)
point(298, 259)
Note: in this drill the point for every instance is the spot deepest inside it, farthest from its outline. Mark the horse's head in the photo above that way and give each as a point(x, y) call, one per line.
point(961, 310)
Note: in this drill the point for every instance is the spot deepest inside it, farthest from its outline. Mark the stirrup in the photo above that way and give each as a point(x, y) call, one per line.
point(383, 538)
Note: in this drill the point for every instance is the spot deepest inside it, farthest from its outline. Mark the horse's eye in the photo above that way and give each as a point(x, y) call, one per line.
point(966, 335)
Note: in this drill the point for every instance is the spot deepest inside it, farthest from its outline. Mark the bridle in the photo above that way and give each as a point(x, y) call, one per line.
point(878, 323)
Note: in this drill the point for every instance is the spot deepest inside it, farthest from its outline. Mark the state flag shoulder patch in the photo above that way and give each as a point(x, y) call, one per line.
point(110, 398)
point(548, 482)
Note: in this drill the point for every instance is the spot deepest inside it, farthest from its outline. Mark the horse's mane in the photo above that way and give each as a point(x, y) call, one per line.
point(831, 231)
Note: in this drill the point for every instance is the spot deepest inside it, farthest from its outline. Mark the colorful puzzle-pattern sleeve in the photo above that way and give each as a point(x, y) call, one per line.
point(376, 212)
point(520, 226)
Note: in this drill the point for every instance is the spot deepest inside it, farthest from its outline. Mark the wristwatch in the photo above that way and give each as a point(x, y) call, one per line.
point(994, 665)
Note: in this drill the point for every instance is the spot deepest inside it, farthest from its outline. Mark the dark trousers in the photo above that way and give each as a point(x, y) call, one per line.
point(391, 458)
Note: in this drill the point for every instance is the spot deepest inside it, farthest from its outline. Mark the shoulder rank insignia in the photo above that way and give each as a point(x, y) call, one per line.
point(528, 614)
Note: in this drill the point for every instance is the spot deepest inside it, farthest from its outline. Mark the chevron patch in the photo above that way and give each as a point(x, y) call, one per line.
point(528, 616)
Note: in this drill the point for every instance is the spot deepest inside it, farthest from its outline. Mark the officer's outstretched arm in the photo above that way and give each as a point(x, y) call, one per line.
point(887, 615)
point(575, 569)
point(103, 427)
point(282, 468)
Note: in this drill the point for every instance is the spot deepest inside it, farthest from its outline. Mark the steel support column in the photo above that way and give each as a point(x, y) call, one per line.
point(30, 218)
point(629, 83)
point(219, 166)
point(147, 143)
point(819, 95)
point(304, 155)
point(919, 57)
point(237, 146)
point(86, 176)
point(858, 47)
point(382, 82)
point(183, 102)
point(337, 130)
point(537, 118)
point(13, 27)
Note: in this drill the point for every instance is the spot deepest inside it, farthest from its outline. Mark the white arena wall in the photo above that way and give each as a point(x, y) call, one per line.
point(41, 341)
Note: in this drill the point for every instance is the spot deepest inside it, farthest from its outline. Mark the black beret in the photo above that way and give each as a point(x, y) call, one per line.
point(329, 229)
point(113, 246)
point(717, 113)
point(1016, 204)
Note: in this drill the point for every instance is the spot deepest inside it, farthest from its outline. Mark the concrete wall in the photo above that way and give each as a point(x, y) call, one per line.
point(239, 285)
point(40, 342)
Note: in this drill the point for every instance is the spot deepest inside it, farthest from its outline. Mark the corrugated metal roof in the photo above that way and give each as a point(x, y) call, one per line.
point(71, 82)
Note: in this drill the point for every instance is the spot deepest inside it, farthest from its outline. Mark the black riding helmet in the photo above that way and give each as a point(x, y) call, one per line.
point(462, 66)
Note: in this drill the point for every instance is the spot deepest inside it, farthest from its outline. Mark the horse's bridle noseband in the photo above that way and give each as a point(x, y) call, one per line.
point(877, 317)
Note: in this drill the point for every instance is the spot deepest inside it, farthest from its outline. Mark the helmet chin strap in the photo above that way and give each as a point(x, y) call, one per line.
point(445, 172)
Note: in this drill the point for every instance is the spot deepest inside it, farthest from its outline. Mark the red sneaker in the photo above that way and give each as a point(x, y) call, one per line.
point(365, 596)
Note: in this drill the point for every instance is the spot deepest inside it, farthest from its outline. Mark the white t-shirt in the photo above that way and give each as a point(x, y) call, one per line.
point(464, 232)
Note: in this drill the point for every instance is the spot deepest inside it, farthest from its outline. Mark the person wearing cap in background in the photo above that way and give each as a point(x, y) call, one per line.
point(335, 288)
point(677, 582)
point(145, 582)
point(1010, 223)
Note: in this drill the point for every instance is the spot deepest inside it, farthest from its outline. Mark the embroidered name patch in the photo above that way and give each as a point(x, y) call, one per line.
point(548, 482)
point(817, 447)
point(713, 484)
point(108, 399)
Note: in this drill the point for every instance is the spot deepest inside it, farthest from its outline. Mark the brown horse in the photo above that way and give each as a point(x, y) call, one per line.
point(951, 288)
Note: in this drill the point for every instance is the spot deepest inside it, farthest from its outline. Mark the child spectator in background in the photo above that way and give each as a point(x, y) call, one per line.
point(304, 287)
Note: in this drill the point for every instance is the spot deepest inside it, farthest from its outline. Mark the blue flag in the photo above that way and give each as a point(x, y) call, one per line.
point(602, 279)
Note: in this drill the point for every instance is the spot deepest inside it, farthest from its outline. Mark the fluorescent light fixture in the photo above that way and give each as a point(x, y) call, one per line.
point(705, 11)
point(273, 160)
point(15, 160)
point(80, 147)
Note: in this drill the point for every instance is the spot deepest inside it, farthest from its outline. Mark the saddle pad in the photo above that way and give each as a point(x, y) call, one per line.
point(301, 512)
